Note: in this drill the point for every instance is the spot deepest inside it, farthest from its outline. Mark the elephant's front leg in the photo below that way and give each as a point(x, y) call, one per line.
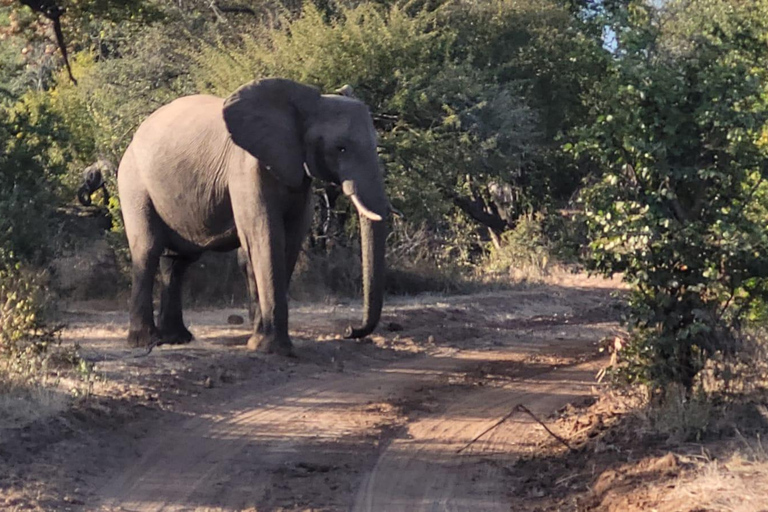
point(259, 204)
point(265, 246)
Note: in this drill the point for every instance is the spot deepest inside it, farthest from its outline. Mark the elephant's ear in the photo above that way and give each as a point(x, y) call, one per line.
point(268, 118)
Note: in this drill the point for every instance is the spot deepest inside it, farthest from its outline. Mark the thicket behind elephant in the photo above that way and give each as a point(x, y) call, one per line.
point(205, 173)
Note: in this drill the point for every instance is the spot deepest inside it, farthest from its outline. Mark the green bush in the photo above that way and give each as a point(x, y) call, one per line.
point(524, 251)
point(679, 207)
point(31, 164)
point(22, 301)
point(465, 95)
point(25, 335)
point(461, 93)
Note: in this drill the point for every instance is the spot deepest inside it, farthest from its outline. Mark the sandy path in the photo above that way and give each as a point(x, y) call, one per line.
point(379, 433)
point(232, 460)
point(253, 436)
point(422, 470)
point(362, 426)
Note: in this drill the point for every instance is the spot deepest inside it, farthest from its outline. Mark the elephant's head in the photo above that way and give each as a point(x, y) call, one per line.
point(296, 132)
point(93, 180)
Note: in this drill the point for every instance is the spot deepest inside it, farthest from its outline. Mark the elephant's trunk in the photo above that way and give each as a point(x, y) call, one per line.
point(373, 237)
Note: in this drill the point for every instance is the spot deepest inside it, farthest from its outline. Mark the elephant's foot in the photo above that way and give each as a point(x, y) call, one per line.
point(144, 337)
point(176, 336)
point(270, 345)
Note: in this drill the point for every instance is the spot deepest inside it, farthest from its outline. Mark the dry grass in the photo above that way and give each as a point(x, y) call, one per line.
point(23, 402)
point(645, 462)
point(739, 484)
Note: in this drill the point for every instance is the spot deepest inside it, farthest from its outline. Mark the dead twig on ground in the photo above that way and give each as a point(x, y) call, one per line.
point(515, 409)
point(502, 420)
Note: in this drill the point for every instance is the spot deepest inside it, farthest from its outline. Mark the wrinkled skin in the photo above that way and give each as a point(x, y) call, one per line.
point(205, 173)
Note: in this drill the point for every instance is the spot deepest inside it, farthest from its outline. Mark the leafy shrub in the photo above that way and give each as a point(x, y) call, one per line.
point(22, 299)
point(421, 260)
point(567, 233)
point(523, 251)
point(460, 92)
point(25, 337)
point(465, 95)
point(679, 207)
point(31, 164)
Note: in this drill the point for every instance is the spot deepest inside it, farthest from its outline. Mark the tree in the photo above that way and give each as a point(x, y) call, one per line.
point(468, 97)
point(678, 206)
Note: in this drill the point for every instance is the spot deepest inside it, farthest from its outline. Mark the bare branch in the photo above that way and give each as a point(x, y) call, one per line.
point(53, 12)
point(517, 408)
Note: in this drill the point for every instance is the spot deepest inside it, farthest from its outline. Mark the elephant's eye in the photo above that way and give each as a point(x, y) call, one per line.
point(342, 149)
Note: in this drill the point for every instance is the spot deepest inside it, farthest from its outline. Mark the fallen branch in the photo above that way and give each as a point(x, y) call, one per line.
point(537, 420)
point(517, 408)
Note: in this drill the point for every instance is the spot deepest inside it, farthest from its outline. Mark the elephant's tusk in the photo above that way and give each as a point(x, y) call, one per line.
point(363, 210)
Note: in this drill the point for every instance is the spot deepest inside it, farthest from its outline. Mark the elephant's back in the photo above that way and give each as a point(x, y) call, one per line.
point(176, 147)
point(194, 106)
point(178, 158)
point(182, 122)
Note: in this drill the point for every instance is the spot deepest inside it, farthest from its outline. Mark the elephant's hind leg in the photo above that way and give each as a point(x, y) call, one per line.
point(145, 238)
point(254, 312)
point(145, 257)
point(296, 230)
point(170, 320)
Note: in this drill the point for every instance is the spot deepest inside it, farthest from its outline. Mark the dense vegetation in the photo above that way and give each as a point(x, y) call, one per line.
point(679, 202)
point(650, 120)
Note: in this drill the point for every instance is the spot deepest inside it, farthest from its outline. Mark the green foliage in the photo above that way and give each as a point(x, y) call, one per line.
point(21, 300)
point(33, 57)
point(681, 141)
point(461, 94)
point(11, 68)
point(25, 336)
point(31, 164)
point(465, 95)
point(29, 345)
point(110, 101)
point(522, 251)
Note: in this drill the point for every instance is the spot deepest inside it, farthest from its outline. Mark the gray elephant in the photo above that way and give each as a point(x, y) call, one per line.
point(93, 180)
point(205, 173)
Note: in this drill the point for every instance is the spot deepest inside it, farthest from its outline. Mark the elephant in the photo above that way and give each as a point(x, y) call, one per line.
point(204, 173)
point(93, 180)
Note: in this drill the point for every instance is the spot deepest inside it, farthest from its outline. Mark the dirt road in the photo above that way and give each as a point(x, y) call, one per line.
point(386, 424)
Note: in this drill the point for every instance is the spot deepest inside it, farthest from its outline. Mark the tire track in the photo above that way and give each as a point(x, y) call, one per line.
point(324, 442)
point(178, 467)
point(422, 471)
